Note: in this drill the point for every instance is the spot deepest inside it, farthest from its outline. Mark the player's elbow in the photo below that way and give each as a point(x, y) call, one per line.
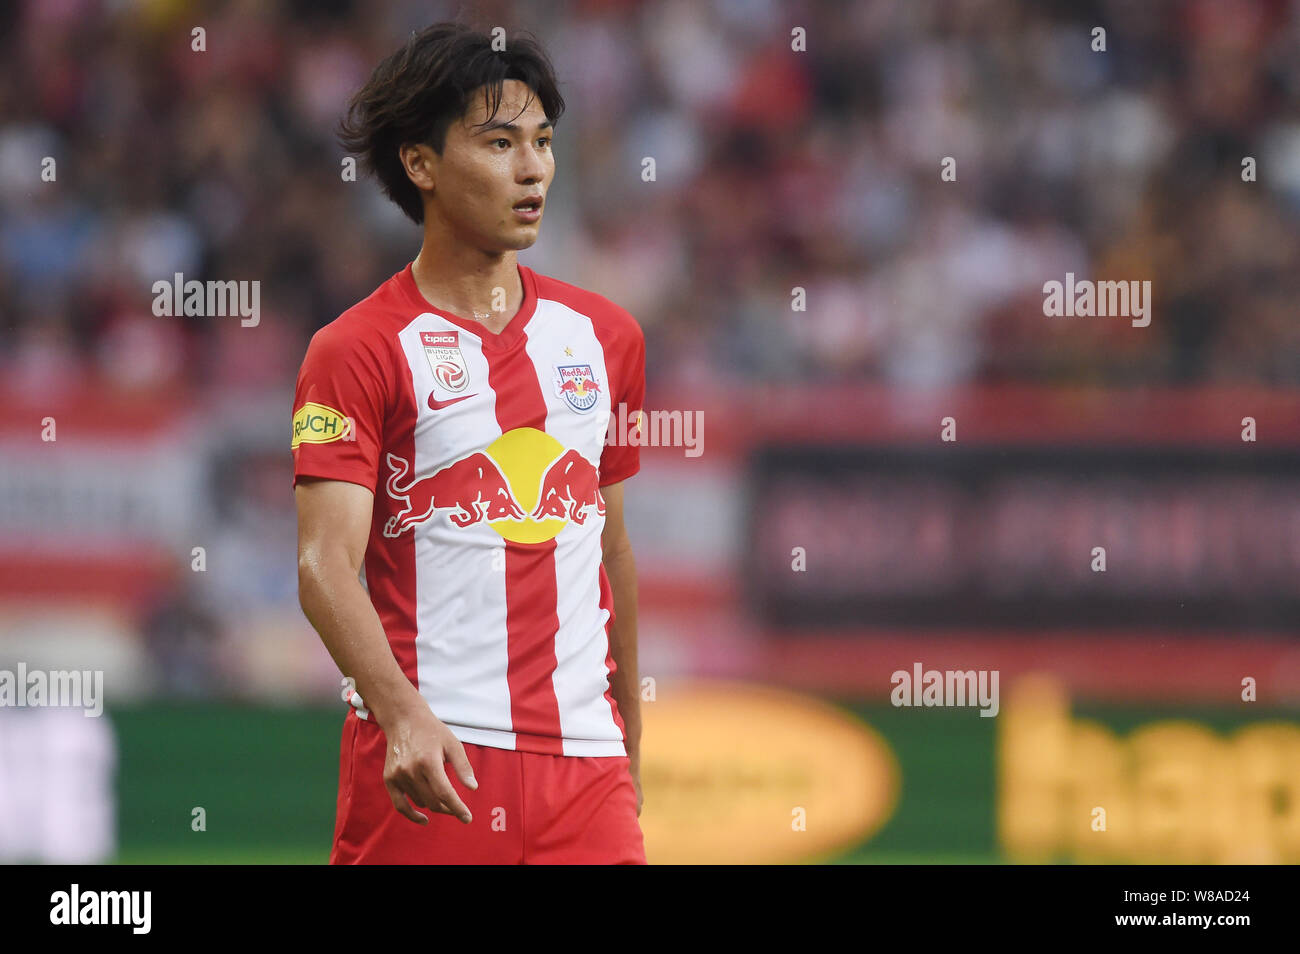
point(322, 568)
point(312, 573)
point(617, 551)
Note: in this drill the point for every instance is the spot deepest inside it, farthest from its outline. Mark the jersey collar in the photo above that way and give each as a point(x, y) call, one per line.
point(508, 337)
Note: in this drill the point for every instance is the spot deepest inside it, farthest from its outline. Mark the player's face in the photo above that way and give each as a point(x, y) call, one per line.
point(486, 171)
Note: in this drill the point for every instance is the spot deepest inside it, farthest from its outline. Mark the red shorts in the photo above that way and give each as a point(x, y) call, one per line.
point(528, 809)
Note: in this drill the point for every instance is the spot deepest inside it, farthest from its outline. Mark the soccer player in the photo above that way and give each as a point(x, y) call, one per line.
point(461, 547)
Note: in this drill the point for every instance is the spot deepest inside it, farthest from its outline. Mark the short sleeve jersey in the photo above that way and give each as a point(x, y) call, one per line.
point(486, 454)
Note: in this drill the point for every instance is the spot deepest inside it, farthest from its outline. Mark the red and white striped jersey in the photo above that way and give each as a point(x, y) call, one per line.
point(485, 454)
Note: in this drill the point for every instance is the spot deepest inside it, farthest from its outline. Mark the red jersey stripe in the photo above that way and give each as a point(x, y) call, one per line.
point(531, 618)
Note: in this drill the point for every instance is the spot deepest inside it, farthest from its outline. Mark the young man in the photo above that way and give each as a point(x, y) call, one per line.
point(449, 444)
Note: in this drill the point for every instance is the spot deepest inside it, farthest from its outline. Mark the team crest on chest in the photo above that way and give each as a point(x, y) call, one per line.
point(442, 348)
point(577, 385)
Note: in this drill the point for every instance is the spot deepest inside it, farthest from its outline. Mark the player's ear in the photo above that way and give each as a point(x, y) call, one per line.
point(420, 163)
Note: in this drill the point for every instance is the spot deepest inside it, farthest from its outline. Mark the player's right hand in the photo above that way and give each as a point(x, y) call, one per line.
point(419, 745)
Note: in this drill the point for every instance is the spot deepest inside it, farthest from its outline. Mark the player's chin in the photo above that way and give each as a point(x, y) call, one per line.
point(522, 237)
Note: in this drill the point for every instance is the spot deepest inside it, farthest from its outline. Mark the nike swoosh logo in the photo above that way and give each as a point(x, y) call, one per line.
point(439, 405)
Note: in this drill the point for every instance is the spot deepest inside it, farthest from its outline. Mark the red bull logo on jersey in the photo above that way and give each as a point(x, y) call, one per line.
point(577, 385)
point(570, 486)
point(442, 348)
point(525, 485)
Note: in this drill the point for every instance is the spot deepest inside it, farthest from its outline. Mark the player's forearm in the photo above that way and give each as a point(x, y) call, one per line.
point(620, 567)
point(338, 607)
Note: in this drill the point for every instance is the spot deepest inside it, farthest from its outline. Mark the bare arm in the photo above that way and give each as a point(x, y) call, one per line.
point(620, 567)
point(333, 528)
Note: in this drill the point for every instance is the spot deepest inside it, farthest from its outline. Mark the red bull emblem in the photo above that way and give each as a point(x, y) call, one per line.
point(473, 488)
point(578, 386)
point(556, 486)
point(569, 486)
point(442, 348)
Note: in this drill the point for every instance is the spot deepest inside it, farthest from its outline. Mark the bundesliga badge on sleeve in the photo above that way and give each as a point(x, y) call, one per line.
point(577, 385)
point(442, 348)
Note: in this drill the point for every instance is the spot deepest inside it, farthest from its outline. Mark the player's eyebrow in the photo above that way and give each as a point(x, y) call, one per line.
point(513, 127)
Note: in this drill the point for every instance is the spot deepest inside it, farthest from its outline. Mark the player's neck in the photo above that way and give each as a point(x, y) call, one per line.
point(469, 283)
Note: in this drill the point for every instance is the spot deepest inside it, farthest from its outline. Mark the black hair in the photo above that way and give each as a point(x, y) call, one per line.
point(419, 90)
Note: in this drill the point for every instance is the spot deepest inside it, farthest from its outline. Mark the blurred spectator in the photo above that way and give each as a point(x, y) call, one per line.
point(183, 637)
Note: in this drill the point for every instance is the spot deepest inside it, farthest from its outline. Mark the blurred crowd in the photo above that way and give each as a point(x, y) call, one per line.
point(775, 169)
point(911, 172)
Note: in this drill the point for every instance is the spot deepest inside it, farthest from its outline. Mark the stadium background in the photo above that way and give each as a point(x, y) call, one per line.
point(775, 170)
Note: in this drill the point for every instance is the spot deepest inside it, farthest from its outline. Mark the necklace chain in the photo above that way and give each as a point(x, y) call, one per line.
point(478, 315)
